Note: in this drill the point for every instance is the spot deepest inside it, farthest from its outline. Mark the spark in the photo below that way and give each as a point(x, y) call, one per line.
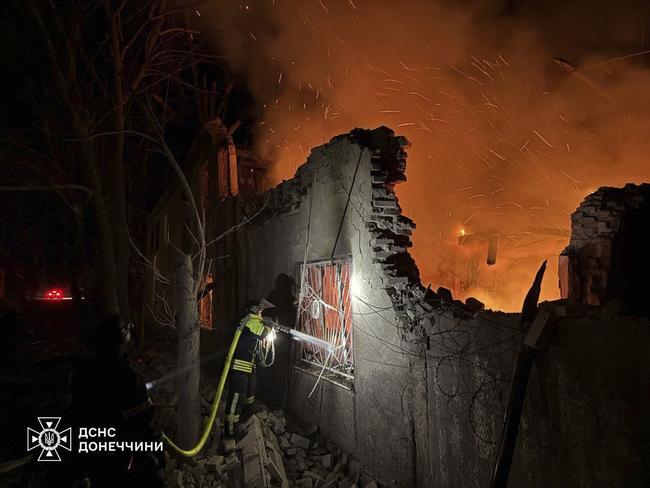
point(620, 58)
point(420, 95)
point(448, 95)
point(497, 154)
point(484, 72)
point(323, 5)
point(471, 78)
point(408, 68)
point(543, 140)
point(412, 78)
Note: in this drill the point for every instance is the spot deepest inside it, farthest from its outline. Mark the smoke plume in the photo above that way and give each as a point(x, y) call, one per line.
point(516, 111)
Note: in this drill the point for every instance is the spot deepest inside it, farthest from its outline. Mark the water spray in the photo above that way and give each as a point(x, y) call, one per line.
point(297, 335)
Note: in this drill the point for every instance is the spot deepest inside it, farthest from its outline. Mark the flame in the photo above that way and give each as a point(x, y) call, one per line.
point(502, 137)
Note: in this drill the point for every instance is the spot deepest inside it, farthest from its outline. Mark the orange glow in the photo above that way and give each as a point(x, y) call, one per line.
point(503, 140)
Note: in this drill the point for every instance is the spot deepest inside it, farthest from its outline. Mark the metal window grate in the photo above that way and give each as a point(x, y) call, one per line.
point(326, 312)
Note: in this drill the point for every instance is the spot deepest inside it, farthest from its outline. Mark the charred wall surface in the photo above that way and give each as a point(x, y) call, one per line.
point(607, 257)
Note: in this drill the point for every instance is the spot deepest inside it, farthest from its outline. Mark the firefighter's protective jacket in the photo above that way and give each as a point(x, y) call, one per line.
point(254, 329)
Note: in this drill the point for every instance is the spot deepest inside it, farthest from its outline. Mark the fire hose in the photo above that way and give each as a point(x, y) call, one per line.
point(301, 336)
point(215, 403)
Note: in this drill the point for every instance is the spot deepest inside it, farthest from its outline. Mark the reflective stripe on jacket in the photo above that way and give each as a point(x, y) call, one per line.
point(253, 329)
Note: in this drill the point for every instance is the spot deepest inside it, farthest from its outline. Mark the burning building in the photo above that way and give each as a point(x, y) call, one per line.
point(414, 382)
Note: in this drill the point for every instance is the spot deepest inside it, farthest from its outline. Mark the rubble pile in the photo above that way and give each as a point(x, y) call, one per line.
point(209, 470)
point(312, 461)
point(273, 454)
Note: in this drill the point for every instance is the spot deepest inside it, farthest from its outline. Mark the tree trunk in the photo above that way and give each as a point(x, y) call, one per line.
point(99, 234)
point(189, 405)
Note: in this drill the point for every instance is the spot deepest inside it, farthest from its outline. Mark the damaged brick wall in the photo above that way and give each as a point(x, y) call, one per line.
point(607, 256)
point(410, 342)
point(431, 373)
point(341, 203)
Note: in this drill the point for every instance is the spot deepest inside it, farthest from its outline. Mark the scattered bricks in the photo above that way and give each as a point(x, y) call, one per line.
point(277, 423)
point(198, 472)
point(474, 305)
point(445, 294)
point(312, 475)
point(346, 483)
point(262, 415)
point(326, 461)
point(215, 464)
point(318, 450)
point(300, 441)
point(229, 445)
point(177, 479)
point(304, 483)
point(284, 443)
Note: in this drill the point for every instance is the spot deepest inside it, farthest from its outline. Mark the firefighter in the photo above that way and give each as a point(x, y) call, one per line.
point(108, 392)
point(243, 380)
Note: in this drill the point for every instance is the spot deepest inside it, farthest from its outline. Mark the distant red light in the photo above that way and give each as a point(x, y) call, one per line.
point(54, 294)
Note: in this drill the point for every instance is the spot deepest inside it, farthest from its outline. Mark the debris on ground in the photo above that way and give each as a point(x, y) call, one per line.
point(276, 452)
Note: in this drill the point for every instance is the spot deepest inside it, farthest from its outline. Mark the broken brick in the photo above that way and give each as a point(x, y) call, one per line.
point(300, 441)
